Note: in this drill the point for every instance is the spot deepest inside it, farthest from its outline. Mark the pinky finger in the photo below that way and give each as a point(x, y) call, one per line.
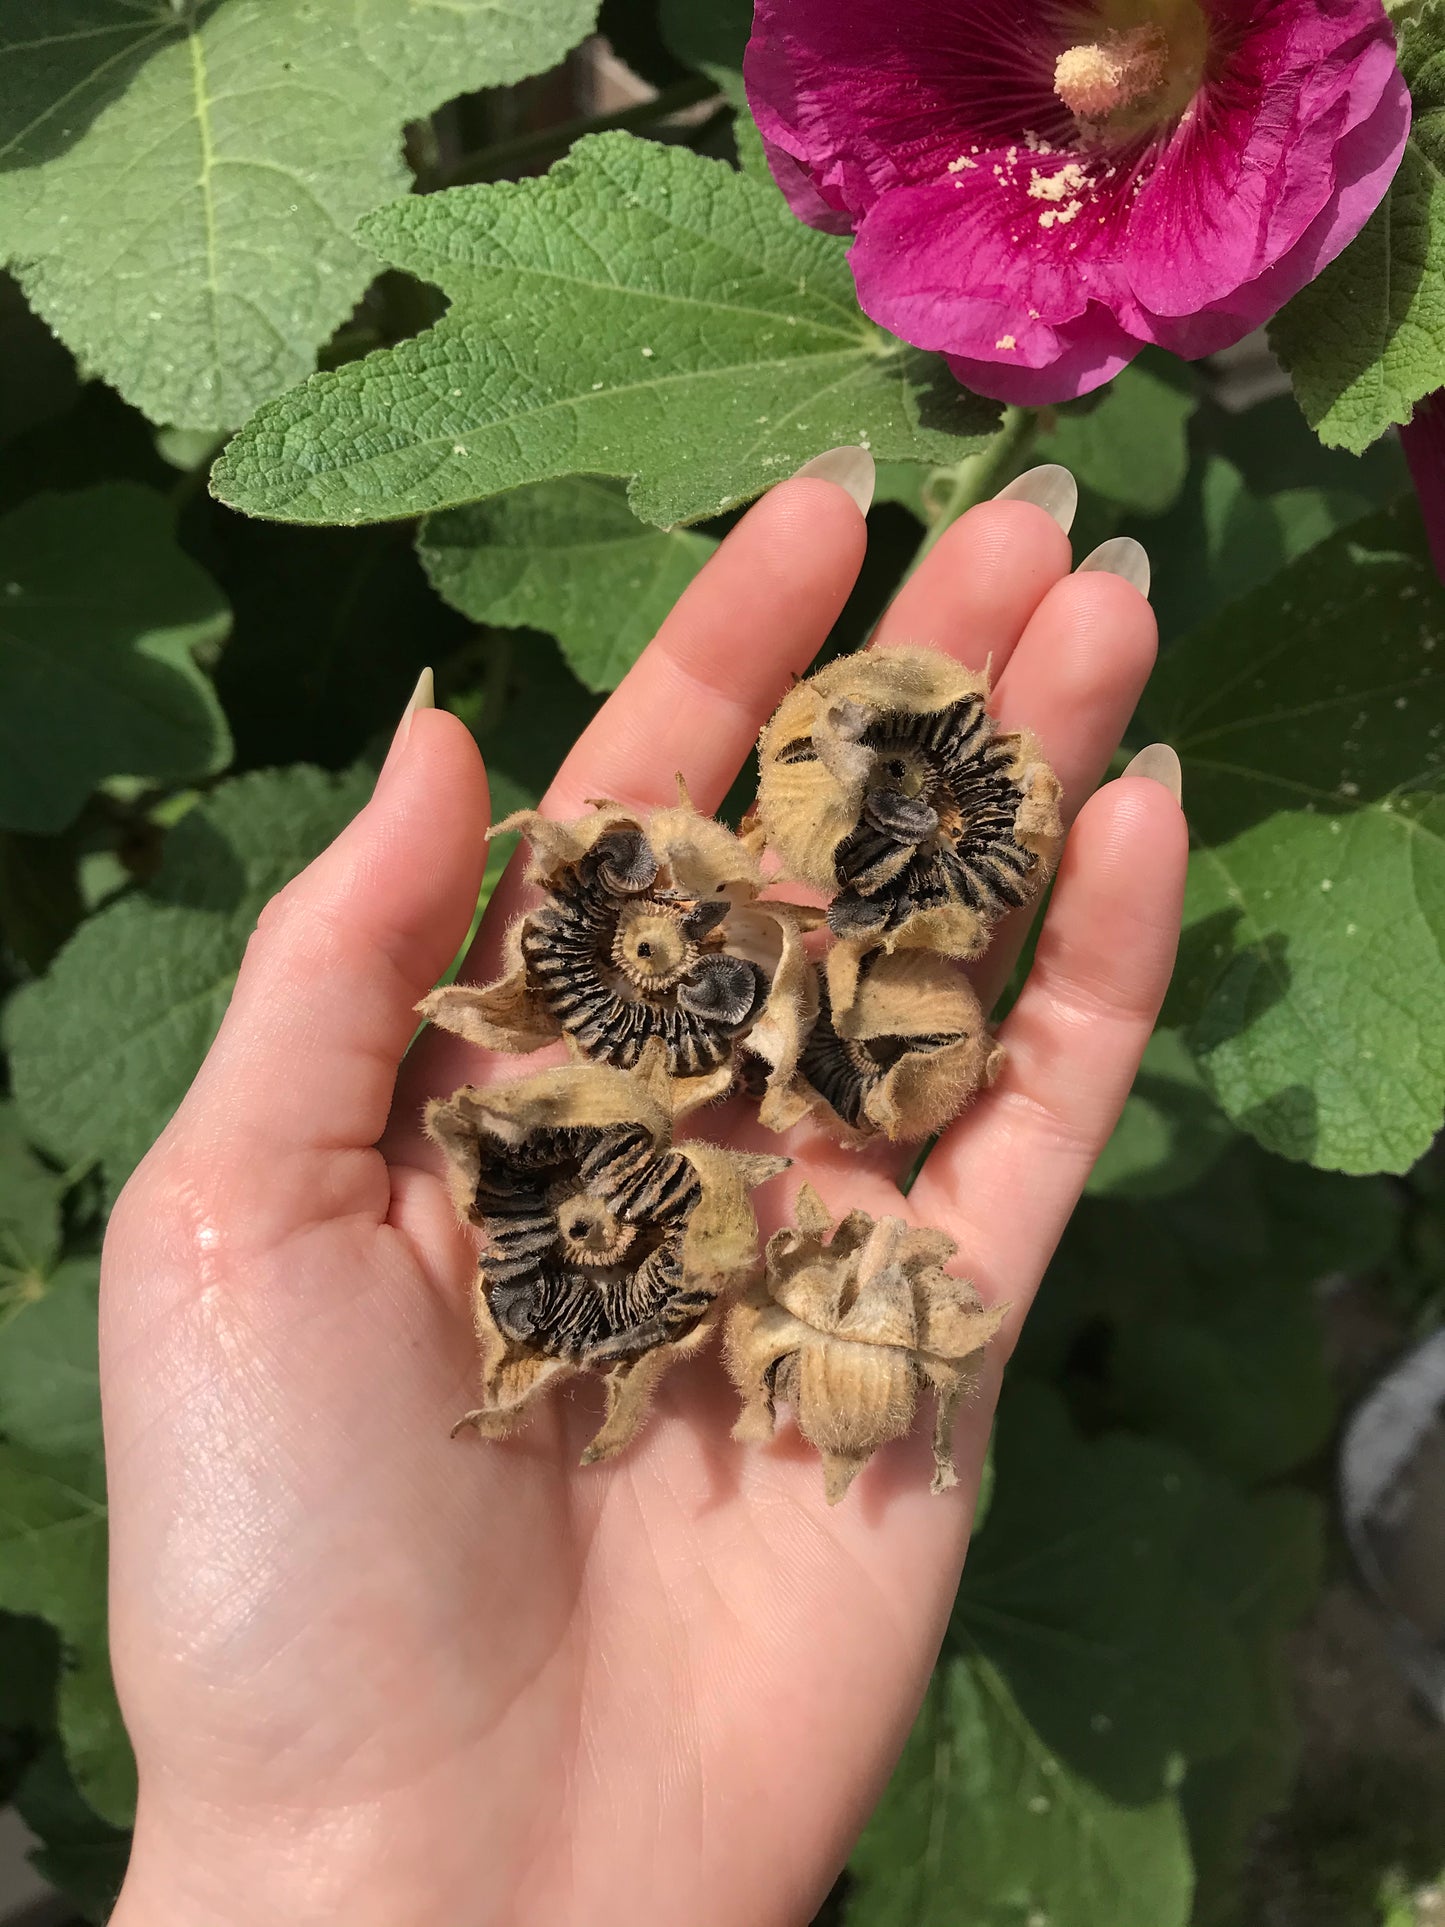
point(1006, 1177)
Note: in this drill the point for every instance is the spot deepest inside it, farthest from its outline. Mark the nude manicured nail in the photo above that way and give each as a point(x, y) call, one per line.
point(851, 467)
point(424, 696)
point(1160, 764)
point(1122, 556)
point(1050, 488)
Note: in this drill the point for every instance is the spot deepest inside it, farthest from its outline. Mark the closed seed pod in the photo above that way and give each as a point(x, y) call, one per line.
point(605, 1248)
point(885, 781)
point(650, 932)
point(899, 1046)
point(847, 1331)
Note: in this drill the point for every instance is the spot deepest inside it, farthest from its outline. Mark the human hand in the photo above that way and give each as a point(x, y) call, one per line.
point(379, 1676)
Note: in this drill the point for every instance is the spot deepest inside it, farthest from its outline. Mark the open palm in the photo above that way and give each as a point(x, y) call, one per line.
point(379, 1676)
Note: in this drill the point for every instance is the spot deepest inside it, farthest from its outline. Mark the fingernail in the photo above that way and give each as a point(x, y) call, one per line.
point(1051, 488)
point(424, 696)
point(1160, 764)
point(851, 467)
point(1121, 556)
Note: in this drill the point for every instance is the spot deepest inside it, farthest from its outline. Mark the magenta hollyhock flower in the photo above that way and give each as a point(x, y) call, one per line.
point(1039, 189)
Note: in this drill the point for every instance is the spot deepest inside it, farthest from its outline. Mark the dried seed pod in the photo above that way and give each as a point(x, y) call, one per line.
point(899, 1046)
point(846, 1332)
point(885, 781)
point(650, 931)
point(605, 1247)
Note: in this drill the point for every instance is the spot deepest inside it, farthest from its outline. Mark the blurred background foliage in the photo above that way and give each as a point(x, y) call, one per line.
point(1162, 1698)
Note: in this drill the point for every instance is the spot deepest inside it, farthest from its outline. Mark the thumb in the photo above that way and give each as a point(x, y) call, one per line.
point(301, 1074)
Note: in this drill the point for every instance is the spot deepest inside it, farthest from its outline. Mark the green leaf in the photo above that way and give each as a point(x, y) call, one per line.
point(1170, 1132)
point(1366, 340)
point(80, 1853)
point(1080, 1590)
point(712, 37)
point(569, 558)
point(100, 613)
point(40, 899)
point(983, 1826)
point(183, 182)
point(637, 312)
point(905, 483)
point(1203, 1310)
point(342, 621)
point(49, 1369)
point(1264, 1566)
point(105, 1046)
point(38, 379)
point(1232, 1366)
point(1086, 1668)
point(29, 1668)
point(1132, 446)
point(30, 1196)
point(53, 1564)
point(1311, 980)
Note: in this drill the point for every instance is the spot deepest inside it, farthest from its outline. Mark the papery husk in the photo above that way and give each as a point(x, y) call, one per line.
point(697, 857)
point(848, 1330)
point(908, 994)
point(719, 1245)
point(806, 809)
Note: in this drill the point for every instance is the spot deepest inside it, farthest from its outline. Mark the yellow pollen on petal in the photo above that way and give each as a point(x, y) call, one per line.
point(1065, 182)
point(1096, 79)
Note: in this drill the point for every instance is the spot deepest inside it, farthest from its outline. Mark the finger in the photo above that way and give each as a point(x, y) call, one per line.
point(752, 619)
point(300, 1078)
point(979, 585)
point(1005, 1177)
point(1075, 679)
point(749, 622)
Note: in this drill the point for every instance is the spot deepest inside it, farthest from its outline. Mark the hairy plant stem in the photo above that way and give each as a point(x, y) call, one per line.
point(502, 157)
point(980, 477)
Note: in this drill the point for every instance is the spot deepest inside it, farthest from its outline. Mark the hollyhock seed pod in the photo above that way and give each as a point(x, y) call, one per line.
point(847, 1331)
point(649, 933)
point(605, 1248)
point(899, 1046)
point(884, 780)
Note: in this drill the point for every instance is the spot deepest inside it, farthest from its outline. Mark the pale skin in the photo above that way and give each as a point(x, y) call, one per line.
point(377, 1675)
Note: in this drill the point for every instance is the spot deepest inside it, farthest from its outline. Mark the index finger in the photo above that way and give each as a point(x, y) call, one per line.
point(753, 617)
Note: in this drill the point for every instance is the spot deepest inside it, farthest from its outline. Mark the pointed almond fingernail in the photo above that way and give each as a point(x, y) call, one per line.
point(1049, 487)
point(424, 696)
point(851, 467)
point(1160, 764)
point(1121, 556)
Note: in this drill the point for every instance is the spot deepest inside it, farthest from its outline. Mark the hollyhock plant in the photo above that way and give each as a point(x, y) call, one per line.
point(1038, 190)
point(1423, 439)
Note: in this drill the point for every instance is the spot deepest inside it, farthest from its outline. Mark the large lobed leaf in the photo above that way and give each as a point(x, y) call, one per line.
point(1132, 444)
point(30, 1195)
point(637, 312)
point(100, 613)
point(1197, 1310)
point(53, 1564)
point(49, 1368)
point(183, 180)
point(1312, 976)
point(105, 1046)
point(1099, 1652)
point(1366, 341)
point(983, 1826)
point(570, 558)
